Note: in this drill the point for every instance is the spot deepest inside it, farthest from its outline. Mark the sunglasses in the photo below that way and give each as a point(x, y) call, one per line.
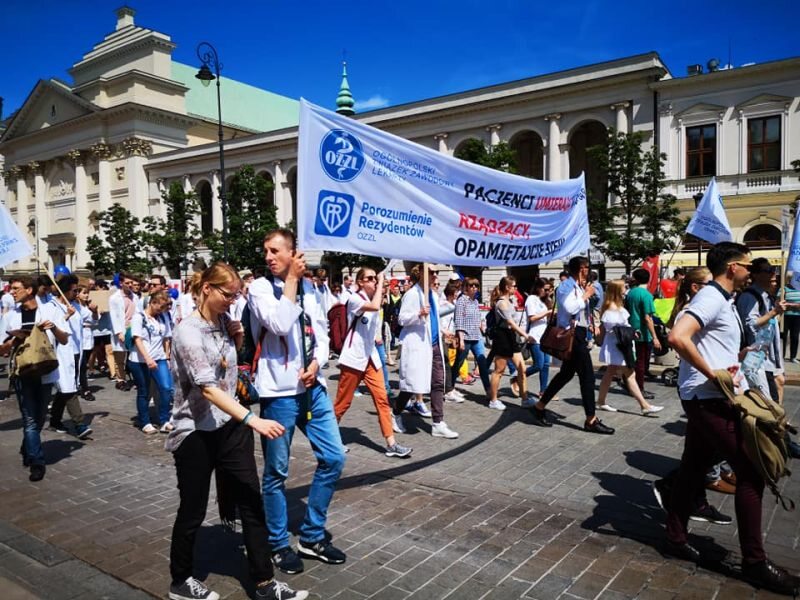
point(228, 295)
point(370, 278)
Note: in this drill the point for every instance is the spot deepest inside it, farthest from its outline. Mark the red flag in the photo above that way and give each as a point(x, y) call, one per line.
point(651, 264)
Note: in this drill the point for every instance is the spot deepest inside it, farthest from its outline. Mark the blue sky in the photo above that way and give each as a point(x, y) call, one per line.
point(397, 51)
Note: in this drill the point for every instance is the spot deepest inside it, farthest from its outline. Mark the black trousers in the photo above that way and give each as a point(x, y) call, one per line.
point(229, 448)
point(791, 329)
point(581, 364)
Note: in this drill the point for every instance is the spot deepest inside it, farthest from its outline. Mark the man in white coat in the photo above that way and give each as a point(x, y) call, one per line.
point(422, 359)
point(122, 307)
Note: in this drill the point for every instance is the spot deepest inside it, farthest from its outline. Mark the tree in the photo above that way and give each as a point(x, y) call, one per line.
point(642, 220)
point(251, 216)
point(174, 239)
point(120, 245)
point(500, 157)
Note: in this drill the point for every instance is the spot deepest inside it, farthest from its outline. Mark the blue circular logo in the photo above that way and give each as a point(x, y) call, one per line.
point(341, 155)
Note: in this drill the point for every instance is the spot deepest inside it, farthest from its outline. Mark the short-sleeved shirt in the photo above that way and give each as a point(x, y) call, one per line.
point(152, 331)
point(362, 329)
point(535, 306)
point(718, 340)
point(198, 350)
point(639, 303)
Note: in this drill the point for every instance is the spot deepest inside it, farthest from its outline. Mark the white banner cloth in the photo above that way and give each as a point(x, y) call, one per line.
point(366, 191)
point(710, 223)
point(793, 261)
point(13, 245)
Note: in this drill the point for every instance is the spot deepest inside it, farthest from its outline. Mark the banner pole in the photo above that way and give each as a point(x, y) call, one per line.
point(425, 283)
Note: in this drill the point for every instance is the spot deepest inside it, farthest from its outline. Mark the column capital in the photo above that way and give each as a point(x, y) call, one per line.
point(213, 173)
point(35, 167)
point(277, 163)
point(101, 151)
point(665, 109)
point(77, 157)
point(16, 173)
point(494, 127)
point(134, 146)
point(552, 117)
point(440, 136)
point(620, 105)
point(564, 147)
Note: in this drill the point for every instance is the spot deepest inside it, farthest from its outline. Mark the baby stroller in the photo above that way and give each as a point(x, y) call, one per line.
point(665, 356)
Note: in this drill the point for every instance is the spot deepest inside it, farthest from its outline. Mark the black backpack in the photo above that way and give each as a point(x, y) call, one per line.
point(491, 324)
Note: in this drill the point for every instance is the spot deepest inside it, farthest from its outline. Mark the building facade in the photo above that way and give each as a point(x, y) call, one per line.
point(134, 121)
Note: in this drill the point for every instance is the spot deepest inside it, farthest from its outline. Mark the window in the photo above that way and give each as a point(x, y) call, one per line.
point(701, 151)
point(764, 144)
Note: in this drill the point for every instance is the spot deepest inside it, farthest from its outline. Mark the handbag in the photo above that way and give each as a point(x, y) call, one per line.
point(35, 356)
point(246, 392)
point(557, 341)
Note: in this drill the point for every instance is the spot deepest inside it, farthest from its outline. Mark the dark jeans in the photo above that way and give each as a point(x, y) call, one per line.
point(82, 377)
point(791, 329)
point(477, 349)
point(580, 363)
point(713, 429)
point(229, 449)
point(437, 390)
point(33, 397)
point(642, 362)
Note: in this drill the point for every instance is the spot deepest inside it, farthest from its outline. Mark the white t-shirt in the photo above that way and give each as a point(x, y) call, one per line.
point(153, 331)
point(718, 340)
point(89, 322)
point(359, 344)
point(186, 306)
point(7, 302)
point(535, 306)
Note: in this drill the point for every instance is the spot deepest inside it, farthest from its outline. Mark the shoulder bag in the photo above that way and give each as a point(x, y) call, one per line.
point(557, 341)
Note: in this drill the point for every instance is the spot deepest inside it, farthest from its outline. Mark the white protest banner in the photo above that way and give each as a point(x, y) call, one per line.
point(13, 245)
point(793, 261)
point(366, 191)
point(709, 222)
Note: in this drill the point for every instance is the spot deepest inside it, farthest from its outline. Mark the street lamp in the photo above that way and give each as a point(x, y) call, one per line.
point(209, 58)
point(698, 197)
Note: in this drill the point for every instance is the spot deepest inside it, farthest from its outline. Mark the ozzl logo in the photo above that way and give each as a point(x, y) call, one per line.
point(334, 211)
point(341, 155)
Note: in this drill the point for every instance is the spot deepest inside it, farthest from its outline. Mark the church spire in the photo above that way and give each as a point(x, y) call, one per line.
point(344, 101)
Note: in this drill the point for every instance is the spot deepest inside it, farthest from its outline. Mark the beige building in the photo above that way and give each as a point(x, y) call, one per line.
point(134, 120)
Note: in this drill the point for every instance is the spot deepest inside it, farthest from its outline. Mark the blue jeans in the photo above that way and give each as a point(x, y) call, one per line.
point(322, 432)
point(141, 377)
point(479, 352)
point(382, 354)
point(33, 397)
point(541, 365)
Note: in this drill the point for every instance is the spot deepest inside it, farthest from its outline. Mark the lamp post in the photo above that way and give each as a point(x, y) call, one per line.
point(698, 197)
point(209, 58)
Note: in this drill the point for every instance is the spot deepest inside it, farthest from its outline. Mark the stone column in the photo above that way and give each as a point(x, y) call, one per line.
point(102, 152)
point(18, 173)
point(564, 158)
point(81, 208)
point(553, 141)
point(216, 202)
point(162, 207)
point(137, 151)
point(494, 134)
point(442, 139)
point(187, 183)
point(40, 199)
point(279, 182)
point(622, 116)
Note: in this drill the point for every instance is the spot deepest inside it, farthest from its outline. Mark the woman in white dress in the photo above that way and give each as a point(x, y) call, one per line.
point(613, 314)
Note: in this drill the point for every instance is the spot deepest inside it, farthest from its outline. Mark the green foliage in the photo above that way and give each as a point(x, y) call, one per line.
point(251, 215)
point(174, 239)
point(120, 245)
point(796, 165)
point(642, 221)
point(500, 157)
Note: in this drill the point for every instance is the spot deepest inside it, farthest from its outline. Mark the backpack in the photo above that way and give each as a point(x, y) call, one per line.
point(491, 325)
point(338, 328)
point(34, 357)
point(763, 424)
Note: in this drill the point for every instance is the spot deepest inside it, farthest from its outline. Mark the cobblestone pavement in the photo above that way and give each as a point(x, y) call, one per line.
point(508, 510)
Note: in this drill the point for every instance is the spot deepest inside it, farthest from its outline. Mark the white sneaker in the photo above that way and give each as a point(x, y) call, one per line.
point(167, 427)
point(652, 410)
point(529, 402)
point(149, 429)
point(496, 405)
point(442, 430)
point(606, 407)
point(397, 424)
point(453, 396)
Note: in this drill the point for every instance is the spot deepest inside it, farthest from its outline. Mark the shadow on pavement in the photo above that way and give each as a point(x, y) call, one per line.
point(228, 557)
point(652, 464)
point(57, 450)
point(675, 427)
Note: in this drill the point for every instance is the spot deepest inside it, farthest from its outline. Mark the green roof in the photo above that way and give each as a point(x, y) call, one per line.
point(243, 106)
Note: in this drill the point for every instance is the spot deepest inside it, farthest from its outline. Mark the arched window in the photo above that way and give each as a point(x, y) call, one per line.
point(763, 236)
point(585, 136)
point(530, 154)
point(204, 196)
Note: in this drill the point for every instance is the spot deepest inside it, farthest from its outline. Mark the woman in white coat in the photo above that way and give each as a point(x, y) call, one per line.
point(422, 359)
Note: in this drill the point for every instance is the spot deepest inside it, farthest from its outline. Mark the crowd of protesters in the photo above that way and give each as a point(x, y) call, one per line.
point(180, 352)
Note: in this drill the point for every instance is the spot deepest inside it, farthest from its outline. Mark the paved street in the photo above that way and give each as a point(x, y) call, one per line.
point(506, 511)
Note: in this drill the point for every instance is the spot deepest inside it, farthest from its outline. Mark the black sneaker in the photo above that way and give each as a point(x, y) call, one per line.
point(287, 561)
point(709, 514)
point(771, 577)
point(191, 589)
point(598, 427)
point(57, 427)
point(277, 590)
point(37, 472)
point(662, 490)
point(540, 418)
point(324, 551)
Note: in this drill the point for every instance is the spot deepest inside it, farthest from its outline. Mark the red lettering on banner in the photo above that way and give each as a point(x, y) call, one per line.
point(509, 229)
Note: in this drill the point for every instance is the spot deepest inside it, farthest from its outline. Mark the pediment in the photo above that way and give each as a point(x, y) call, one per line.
point(49, 103)
point(765, 101)
point(701, 108)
